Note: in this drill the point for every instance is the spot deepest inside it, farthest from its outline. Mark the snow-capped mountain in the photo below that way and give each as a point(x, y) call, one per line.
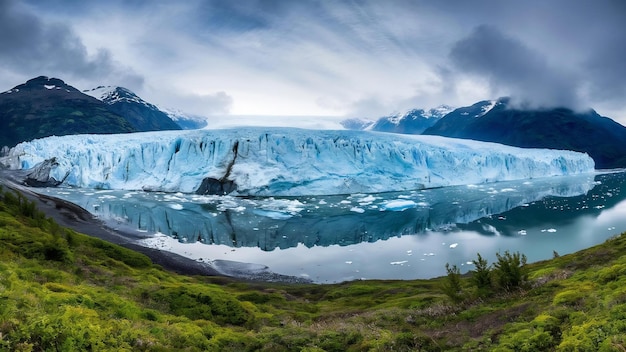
point(184, 120)
point(141, 114)
point(462, 117)
point(46, 106)
point(414, 121)
point(114, 94)
point(554, 128)
point(284, 161)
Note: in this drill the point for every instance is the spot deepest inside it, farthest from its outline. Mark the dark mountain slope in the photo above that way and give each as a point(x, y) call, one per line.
point(45, 106)
point(560, 128)
point(142, 115)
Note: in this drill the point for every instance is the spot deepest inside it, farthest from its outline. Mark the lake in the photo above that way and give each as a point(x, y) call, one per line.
point(404, 235)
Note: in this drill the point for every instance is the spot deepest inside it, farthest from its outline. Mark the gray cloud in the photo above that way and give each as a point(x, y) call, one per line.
point(218, 103)
point(514, 69)
point(370, 107)
point(32, 46)
point(607, 74)
point(363, 57)
point(575, 49)
point(606, 62)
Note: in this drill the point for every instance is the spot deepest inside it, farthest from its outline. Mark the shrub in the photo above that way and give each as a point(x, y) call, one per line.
point(339, 341)
point(452, 286)
point(590, 336)
point(510, 270)
point(57, 250)
point(124, 255)
point(203, 303)
point(528, 340)
point(481, 275)
point(187, 336)
point(232, 341)
point(573, 298)
point(407, 341)
point(261, 297)
point(611, 273)
point(548, 324)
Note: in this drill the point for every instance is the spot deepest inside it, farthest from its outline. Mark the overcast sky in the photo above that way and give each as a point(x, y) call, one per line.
point(334, 58)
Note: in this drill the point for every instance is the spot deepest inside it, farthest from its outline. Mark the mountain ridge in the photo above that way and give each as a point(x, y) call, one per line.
point(45, 106)
point(553, 128)
point(413, 121)
point(141, 114)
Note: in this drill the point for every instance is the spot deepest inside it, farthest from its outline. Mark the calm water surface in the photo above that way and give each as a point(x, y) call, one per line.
point(403, 235)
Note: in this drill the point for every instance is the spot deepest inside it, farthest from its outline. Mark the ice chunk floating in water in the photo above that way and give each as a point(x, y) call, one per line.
point(286, 161)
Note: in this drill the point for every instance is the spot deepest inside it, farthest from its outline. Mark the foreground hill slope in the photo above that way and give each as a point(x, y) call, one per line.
point(61, 290)
point(45, 106)
point(497, 121)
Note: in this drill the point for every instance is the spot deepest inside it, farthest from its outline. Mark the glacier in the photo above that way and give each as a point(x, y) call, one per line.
point(285, 161)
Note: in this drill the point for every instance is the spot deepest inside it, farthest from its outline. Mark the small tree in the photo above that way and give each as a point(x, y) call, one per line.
point(510, 270)
point(452, 286)
point(481, 275)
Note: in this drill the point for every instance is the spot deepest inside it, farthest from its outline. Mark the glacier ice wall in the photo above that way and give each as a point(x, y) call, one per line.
point(287, 161)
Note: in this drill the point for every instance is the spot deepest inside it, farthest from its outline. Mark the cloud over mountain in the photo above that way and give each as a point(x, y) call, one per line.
point(513, 68)
point(314, 57)
point(31, 45)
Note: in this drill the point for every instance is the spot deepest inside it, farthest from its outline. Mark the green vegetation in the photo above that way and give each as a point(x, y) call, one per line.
point(508, 274)
point(63, 291)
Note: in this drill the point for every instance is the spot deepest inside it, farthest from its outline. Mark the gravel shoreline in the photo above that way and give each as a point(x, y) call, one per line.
point(80, 220)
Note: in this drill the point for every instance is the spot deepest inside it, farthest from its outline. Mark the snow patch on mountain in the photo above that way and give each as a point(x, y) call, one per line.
point(413, 114)
point(487, 107)
point(114, 94)
point(286, 161)
point(413, 121)
point(438, 112)
point(395, 119)
point(101, 92)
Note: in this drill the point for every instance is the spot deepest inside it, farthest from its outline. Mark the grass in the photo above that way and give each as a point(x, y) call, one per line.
point(64, 291)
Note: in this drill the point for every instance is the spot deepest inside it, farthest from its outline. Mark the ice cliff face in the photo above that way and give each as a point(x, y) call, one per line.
point(285, 161)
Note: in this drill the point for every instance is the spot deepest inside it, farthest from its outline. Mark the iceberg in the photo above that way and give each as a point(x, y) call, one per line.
point(285, 161)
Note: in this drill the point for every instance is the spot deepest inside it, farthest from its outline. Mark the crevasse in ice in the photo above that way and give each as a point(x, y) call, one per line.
point(287, 161)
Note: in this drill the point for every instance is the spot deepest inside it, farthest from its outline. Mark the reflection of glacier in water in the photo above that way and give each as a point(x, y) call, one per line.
point(270, 223)
point(334, 238)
